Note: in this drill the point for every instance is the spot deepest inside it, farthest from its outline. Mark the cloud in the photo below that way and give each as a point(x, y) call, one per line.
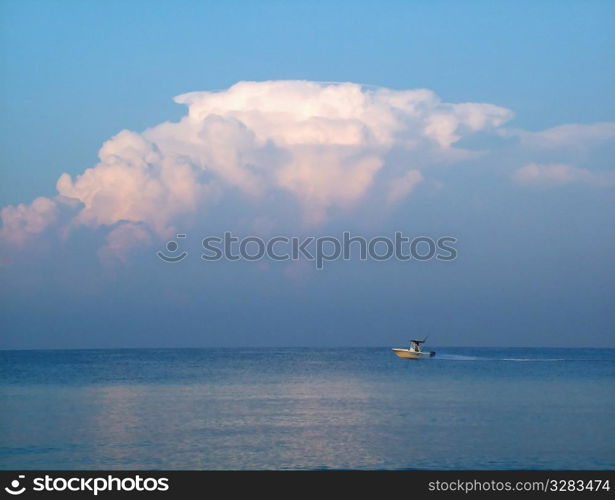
point(123, 240)
point(572, 135)
point(559, 174)
point(322, 143)
point(402, 186)
point(321, 148)
point(325, 146)
point(22, 222)
point(134, 182)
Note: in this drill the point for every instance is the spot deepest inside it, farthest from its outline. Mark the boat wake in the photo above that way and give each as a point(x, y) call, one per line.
point(536, 359)
point(459, 357)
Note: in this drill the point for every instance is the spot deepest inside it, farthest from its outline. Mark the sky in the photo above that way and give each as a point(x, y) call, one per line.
point(126, 123)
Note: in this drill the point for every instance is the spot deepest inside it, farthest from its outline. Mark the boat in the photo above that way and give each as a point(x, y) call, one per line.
point(415, 351)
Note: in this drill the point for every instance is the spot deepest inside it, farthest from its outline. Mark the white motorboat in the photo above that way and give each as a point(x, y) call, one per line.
point(415, 351)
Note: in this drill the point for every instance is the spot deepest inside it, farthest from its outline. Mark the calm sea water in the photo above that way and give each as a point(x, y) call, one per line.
point(307, 408)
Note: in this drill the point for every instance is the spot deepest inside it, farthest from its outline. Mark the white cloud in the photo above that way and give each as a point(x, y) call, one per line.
point(571, 135)
point(558, 174)
point(402, 186)
point(123, 240)
point(21, 222)
point(134, 182)
point(325, 145)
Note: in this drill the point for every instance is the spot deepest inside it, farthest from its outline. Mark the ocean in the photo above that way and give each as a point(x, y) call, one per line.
point(307, 408)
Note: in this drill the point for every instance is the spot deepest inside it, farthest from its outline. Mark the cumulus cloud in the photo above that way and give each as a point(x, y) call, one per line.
point(322, 143)
point(558, 174)
point(123, 240)
point(134, 182)
point(21, 222)
point(324, 147)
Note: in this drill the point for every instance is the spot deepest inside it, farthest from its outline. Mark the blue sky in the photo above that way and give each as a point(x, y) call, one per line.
point(535, 244)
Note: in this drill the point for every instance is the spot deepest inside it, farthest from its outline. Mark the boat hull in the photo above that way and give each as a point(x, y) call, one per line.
point(408, 354)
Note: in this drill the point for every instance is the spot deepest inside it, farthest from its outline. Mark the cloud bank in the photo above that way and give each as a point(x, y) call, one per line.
point(325, 146)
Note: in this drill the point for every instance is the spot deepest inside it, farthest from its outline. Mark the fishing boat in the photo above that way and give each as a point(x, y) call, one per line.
point(415, 351)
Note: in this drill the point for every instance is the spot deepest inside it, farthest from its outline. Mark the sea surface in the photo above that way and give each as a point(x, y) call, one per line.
point(304, 408)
